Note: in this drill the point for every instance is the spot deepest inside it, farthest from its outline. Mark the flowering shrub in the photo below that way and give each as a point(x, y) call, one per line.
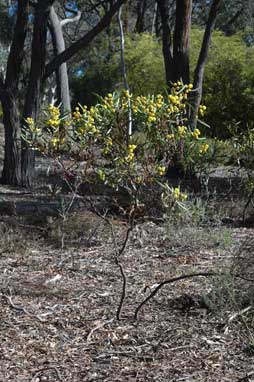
point(127, 141)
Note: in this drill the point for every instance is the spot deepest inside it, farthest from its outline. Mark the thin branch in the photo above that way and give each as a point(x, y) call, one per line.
point(124, 72)
point(22, 309)
point(82, 42)
point(170, 281)
point(236, 315)
point(99, 326)
point(123, 294)
point(70, 19)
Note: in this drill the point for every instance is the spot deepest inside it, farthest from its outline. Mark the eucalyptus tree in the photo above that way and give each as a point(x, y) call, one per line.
point(176, 44)
point(19, 160)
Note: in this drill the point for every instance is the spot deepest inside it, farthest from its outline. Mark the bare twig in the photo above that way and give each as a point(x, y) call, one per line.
point(235, 315)
point(170, 281)
point(99, 326)
point(123, 294)
point(120, 251)
point(21, 308)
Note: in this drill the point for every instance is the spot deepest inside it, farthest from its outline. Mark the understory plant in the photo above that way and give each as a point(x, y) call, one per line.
point(122, 157)
point(127, 143)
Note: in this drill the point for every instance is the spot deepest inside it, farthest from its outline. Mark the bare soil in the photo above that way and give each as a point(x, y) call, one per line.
point(60, 289)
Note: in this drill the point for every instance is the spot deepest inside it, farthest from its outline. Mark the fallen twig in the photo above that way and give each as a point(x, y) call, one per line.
point(99, 326)
point(235, 315)
point(21, 308)
point(170, 281)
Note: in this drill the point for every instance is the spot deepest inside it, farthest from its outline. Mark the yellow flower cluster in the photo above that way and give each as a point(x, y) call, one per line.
point(30, 121)
point(159, 101)
point(196, 133)
point(31, 125)
point(54, 142)
point(182, 131)
point(170, 136)
point(161, 170)
point(177, 85)
point(85, 120)
point(202, 109)
point(76, 115)
point(109, 144)
point(130, 150)
point(188, 88)
point(127, 94)
point(203, 149)
point(174, 99)
point(108, 103)
point(54, 116)
point(177, 195)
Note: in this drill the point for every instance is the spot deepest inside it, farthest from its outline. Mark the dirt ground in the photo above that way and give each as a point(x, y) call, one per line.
point(60, 289)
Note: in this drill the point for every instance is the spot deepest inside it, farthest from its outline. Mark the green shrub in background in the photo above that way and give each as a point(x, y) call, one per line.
point(145, 70)
point(145, 66)
point(228, 82)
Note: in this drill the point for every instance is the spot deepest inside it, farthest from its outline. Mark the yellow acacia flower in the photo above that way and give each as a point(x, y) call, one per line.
point(76, 115)
point(203, 149)
point(30, 121)
point(170, 136)
point(129, 158)
point(161, 170)
point(53, 122)
point(131, 148)
point(54, 142)
point(196, 133)
point(127, 94)
point(31, 124)
point(177, 195)
point(151, 118)
point(182, 130)
point(174, 99)
point(202, 109)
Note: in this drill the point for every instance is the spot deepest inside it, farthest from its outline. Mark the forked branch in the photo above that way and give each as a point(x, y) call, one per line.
point(170, 281)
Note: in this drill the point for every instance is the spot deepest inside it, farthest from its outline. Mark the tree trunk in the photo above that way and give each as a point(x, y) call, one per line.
point(181, 67)
point(199, 71)
point(9, 98)
point(124, 71)
point(33, 96)
point(63, 90)
point(12, 160)
point(38, 72)
point(84, 41)
point(62, 74)
point(166, 40)
point(141, 8)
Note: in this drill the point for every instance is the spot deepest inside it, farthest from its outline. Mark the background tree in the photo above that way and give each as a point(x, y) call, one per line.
point(56, 29)
point(203, 55)
point(19, 163)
